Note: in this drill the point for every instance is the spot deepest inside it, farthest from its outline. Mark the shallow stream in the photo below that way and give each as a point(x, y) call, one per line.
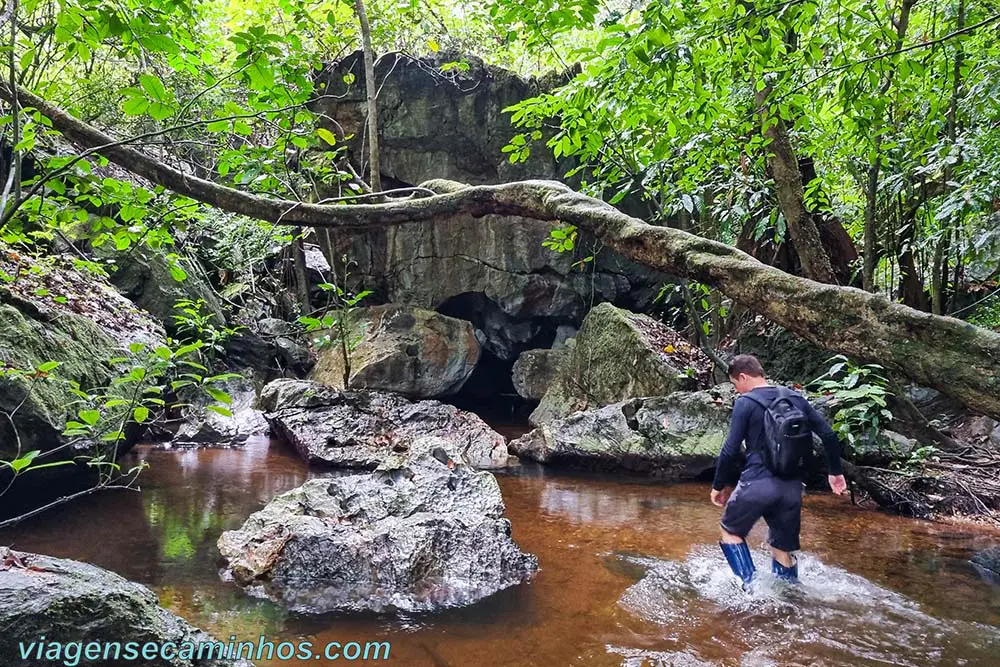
point(630, 575)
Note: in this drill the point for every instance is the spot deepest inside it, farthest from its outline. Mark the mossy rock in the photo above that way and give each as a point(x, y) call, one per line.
point(619, 355)
point(56, 313)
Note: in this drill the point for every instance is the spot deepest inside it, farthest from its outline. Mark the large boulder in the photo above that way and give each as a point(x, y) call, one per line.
point(534, 370)
point(57, 313)
point(677, 436)
point(619, 355)
point(419, 533)
point(58, 602)
point(361, 429)
point(409, 351)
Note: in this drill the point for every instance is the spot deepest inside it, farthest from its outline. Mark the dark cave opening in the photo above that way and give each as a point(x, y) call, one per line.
point(489, 391)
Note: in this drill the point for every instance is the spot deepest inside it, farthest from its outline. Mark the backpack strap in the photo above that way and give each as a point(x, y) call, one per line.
point(758, 401)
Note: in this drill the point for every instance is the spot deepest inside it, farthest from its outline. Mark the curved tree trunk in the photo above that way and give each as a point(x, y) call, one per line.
point(953, 356)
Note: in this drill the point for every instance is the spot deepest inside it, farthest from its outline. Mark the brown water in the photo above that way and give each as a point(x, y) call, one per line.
point(630, 575)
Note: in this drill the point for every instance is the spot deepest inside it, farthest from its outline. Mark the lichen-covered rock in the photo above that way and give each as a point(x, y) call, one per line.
point(57, 313)
point(57, 600)
point(361, 429)
point(420, 533)
point(533, 372)
point(677, 436)
point(619, 355)
point(409, 351)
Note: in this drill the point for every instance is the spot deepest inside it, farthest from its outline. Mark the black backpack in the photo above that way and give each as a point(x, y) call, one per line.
point(787, 434)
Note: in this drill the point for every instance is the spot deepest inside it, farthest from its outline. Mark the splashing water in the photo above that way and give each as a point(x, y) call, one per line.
point(832, 618)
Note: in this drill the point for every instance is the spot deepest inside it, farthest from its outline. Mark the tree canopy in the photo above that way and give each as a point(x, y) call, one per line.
point(844, 141)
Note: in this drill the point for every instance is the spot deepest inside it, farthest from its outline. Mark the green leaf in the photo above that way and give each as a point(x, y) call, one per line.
point(326, 135)
point(219, 395)
point(48, 366)
point(188, 349)
point(23, 462)
point(90, 417)
point(140, 414)
point(225, 412)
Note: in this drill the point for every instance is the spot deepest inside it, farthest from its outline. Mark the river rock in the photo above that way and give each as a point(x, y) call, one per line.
point(207, 427)
point(361, 429)
point(67, 601)
point(619, 355)
point(677, 436)
point(533, 372)
point(58, 313)
point(410, 351)
point(420, 533)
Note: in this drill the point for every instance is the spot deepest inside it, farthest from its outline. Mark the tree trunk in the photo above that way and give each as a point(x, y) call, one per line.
point(955, 357)
point(871, 200)
point(871, 185)
point(788, 184)
point(374, 165)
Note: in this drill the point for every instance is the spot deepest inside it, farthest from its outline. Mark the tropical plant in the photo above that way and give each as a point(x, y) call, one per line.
point(857, 394)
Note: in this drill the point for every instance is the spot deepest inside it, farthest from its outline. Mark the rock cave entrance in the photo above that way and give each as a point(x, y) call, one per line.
point(489, 391)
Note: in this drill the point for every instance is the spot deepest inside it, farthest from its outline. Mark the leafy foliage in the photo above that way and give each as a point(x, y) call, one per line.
point(858, 394)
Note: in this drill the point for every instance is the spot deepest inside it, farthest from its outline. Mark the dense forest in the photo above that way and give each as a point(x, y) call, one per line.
point(429, 239)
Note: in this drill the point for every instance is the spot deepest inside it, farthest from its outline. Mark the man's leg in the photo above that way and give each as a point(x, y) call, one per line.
point(784, 523)
point(783, 557)
point(738, 518)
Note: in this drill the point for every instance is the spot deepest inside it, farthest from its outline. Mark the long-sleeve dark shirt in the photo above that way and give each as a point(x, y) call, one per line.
point(748, 425)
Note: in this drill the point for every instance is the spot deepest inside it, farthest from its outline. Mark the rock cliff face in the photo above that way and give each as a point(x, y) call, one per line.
point(493, 271)
point(448, 124)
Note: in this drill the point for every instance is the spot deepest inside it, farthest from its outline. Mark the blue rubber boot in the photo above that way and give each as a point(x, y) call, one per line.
point(738, 556)
point(789, 574)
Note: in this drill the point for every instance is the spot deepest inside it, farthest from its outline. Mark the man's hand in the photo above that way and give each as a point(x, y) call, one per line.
point(838, 484)
point(721, 496)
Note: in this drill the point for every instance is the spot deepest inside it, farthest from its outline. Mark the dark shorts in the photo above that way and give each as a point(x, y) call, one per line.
point(778, 501)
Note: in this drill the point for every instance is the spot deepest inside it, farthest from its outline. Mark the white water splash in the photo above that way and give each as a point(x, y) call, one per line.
point(833, 618)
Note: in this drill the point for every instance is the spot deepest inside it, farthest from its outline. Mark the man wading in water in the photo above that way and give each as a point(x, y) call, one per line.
point(777, 425)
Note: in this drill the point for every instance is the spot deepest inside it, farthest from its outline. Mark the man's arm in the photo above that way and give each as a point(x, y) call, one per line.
point(831, 446)
point(725, 468)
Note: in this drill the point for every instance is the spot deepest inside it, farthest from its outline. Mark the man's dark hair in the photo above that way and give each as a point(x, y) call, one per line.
point(745, 363)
